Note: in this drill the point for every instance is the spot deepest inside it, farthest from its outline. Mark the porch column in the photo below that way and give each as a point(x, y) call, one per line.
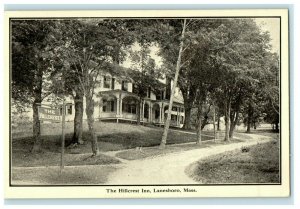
point(118, 107)
point(149, 112)
point(160, 111)
point(163, 114)
point(177, 122)
point(100, 107)
point(143, 110)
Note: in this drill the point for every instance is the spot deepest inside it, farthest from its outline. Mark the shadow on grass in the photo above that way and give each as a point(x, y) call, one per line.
point(150, 139)
point(113, 141)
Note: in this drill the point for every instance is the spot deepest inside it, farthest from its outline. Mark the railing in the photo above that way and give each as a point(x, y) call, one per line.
point(155, 120)
point(108, 115)
point(145, 120)
point(129, 116)
point(173, 123)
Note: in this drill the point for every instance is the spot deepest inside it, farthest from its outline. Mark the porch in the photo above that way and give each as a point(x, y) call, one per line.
point(124, 106)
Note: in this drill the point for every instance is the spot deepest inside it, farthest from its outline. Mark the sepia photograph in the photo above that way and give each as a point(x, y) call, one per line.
point(149, 105)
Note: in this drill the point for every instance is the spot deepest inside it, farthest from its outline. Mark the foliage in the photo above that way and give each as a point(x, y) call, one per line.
point(31, 52)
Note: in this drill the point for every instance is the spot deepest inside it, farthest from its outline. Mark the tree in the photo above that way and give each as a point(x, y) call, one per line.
point(167, 123)
point(144, 74)
point(70, 87)
point(31, 59)
point(268, 93)
point(92, 48)
point(240, 65)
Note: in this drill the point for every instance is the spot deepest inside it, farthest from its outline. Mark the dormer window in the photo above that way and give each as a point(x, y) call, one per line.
point(124, 86)
point(113, 83)
point(160, 95)
point(107, 82)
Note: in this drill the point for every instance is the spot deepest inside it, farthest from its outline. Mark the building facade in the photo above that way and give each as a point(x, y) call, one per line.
point(119, 102)
point(115, 100)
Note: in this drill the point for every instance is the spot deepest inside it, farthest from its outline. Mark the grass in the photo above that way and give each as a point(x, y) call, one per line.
point(149, 138)
point(70, 175)
point(22, 159)
point(111, 137)
point(254, 164)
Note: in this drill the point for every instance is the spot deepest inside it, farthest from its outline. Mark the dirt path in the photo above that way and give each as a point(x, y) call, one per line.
point(170, 168)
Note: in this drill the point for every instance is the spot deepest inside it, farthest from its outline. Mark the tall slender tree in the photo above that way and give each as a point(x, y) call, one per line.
point(178, 65)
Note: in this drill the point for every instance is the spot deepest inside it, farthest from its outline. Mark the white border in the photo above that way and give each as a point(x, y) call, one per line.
point(206, 191)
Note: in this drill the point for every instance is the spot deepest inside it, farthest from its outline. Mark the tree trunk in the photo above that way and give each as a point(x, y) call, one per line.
point(204, 122)
point(233, 122)
point(218, 124)
point(38, 140)
point(187, 118)
point(231, 129)
point(249, 119)
point(167, 123)
point(138, 120)
point(77, 135)
point(214, 121)
point(206, 117)
point(199, 126)
point(90, 119)
point(248, 127)
point(227, 119)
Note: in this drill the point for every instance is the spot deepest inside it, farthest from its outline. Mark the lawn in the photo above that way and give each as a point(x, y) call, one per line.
point(254, 164)
point(111, 137)
point(70, 175)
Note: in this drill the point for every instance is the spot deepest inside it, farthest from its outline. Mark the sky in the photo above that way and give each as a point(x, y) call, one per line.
point(271, 25)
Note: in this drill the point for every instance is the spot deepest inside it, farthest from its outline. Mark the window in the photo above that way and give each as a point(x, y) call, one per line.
point(157, 113)
point(129, 108)
point(160, 95)
point(107, 82)
point(69, 109)
point(146, 111)
point(174, 108)
point(113, 83)
point(112, 106)
point(133, 109)
point(104, 105)
point(124, 86)
point(108, 106)
point(173, 117)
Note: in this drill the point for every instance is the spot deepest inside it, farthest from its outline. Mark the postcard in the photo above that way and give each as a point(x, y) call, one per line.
point(147, 104)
